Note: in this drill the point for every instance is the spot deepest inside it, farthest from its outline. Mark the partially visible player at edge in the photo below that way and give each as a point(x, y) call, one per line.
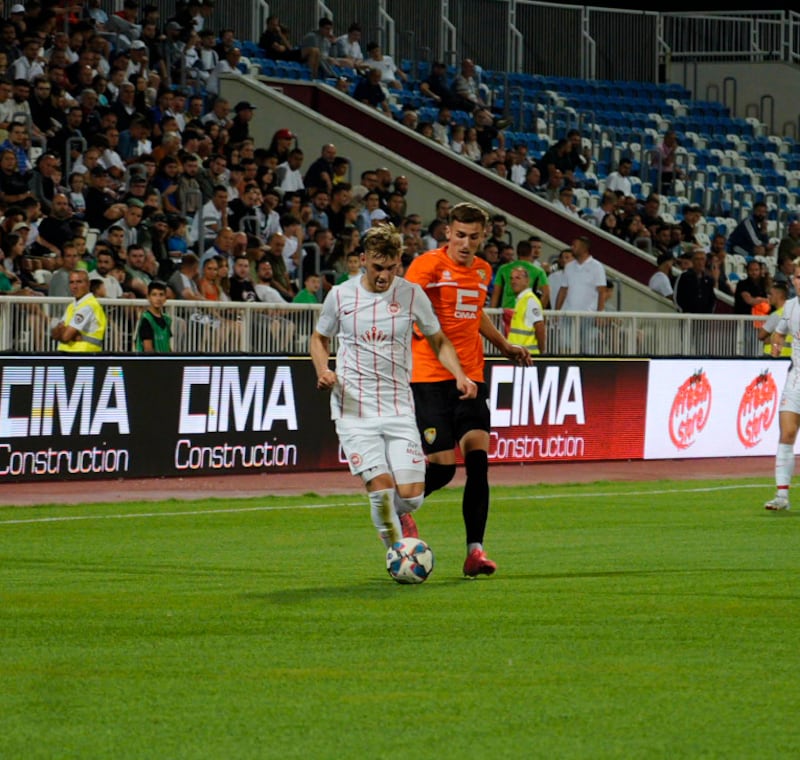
point(457, 282)
point(789, 408)
point(373, 318)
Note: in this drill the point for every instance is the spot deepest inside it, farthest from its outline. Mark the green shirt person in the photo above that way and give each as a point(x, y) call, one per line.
point(311, 286)
point(154, 331)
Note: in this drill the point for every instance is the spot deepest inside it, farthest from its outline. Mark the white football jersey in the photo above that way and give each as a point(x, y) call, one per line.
point(374, 333)
point(789, 324)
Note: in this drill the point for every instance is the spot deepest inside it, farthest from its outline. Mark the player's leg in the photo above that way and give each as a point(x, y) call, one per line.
point(435, 414)
point(784, 459)
point(363, 445)
point(407, 463)
point(472, 426)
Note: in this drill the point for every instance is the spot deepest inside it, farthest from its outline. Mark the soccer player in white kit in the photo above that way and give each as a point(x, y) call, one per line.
point(372, 318)
point(789, 409)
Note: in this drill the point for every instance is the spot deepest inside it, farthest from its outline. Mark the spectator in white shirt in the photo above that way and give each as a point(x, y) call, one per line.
point(660, 281)
point(619, 181)
point(288, 175)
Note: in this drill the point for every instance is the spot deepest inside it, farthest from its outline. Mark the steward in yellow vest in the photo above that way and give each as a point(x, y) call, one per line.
point(527, 321)
point(83, 326)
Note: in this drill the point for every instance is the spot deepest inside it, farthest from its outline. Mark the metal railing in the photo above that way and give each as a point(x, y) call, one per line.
point(254, 328)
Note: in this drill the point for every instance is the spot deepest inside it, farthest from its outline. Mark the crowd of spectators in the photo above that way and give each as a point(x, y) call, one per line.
point(107, 165)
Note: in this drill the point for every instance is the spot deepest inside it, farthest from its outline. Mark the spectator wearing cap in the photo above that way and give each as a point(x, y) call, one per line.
point(227, 65)
point(281, 144)
point(378, 216)
point(239, 129)
point(138, 61)
point(172, 46)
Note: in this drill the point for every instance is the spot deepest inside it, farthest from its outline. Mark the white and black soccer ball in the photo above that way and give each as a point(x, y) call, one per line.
point(410, 560)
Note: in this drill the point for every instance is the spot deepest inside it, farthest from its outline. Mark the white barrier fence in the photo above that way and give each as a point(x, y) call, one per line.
point(220, 328)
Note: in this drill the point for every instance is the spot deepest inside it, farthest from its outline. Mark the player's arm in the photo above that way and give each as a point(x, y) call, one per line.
point(517, 354)
point(320, 350)
point(777, 341)
point(446, 353)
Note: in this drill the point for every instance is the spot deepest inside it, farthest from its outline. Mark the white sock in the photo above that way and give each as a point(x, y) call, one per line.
point(472, 547)
point(384, 516)
point(784, 468)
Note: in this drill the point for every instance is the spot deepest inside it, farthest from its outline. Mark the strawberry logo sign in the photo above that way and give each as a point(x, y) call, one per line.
point(690, 409)
point(757, 409)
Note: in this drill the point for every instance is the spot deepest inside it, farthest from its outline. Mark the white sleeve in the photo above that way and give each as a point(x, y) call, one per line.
point(782, 328)
point(328, 324)
point(533, 312)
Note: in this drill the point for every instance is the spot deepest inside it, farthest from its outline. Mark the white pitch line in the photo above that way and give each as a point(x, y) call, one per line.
point(239, 510)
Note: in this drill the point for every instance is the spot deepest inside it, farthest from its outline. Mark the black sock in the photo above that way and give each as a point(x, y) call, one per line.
point(475, 504)
point(438, 476)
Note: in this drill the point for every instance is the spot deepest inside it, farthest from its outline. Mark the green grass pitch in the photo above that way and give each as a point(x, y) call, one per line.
point(649, 620)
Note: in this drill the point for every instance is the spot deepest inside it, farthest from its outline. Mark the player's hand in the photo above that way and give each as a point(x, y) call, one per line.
point(520, 355)
point(326, 380)
point(468, 388)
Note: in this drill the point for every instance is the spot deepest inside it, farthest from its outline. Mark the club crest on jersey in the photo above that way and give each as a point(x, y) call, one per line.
point(446, 275)
point(482, 274)
point(355, 459)
point(429, 435)
point(393, 308)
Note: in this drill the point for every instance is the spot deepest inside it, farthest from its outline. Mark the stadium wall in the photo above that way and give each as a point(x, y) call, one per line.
point(81, 417)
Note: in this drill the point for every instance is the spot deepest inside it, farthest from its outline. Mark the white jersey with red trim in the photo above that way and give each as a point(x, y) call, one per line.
point(373, 358)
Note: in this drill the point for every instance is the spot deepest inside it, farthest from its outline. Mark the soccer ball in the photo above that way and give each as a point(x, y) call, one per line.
point(410, 560)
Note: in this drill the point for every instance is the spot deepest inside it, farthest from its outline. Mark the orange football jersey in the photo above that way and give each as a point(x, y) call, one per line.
point(458, 295)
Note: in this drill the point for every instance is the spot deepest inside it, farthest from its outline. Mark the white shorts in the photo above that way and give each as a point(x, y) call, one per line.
point(790, 398)
point(383, 444)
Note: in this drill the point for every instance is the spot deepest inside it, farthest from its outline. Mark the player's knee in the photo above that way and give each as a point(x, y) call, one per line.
point(408, 504)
